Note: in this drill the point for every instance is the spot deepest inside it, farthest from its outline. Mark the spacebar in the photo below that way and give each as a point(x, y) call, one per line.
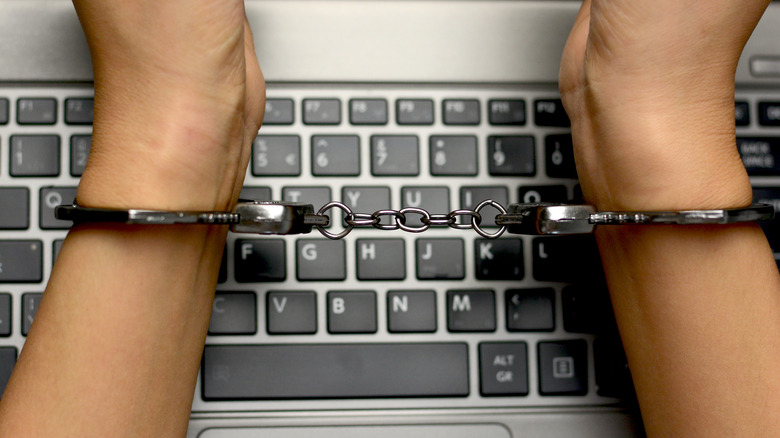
point(311, 371)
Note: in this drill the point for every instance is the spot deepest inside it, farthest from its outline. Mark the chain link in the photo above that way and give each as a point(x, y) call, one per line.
point(400, 217)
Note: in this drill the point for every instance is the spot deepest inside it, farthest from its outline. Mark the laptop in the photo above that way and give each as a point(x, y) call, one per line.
point(384, 106)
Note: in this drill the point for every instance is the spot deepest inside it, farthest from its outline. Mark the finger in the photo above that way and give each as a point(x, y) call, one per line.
point(573, 58)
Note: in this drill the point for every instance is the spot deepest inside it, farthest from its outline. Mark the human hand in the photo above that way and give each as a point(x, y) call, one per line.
point(179, 97)
point(649, 87)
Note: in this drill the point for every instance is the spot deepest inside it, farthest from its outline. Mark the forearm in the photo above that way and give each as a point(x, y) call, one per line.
point(699, 312)
point(118, 336)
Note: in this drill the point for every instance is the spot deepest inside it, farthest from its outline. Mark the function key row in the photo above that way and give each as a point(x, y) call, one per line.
point(43, 110)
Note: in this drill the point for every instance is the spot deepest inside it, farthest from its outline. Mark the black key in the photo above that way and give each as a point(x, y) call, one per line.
point(262, 372)
point(769, 113)
point(499, 259)
point(567, 259)
point(503, 368)
point(530, 309)
point(511, 155)
point(453, 155)
point(291, 312)
point(506, 112)
point(411, 311)
point(587, 309)
point(316, 196)
point(433, 199)
point(79, 110)
point(559, 156)
point(50, 198)
point(279, 112)
point(550, 112)
point(36, 111)
point(35, 155)
point(80, 146)
point(259, 260)
point(221, 276)
point(21, 261)
point(367, 200)
point(335, 155)
point(7, 362)
point(414, 111)
point(3, 111)
point(380, 259)
point(30, 303)
point(234, 313)
point(613, 378)
point(5, 314)
point(276, 155)
point(320, 259)
point(440, 259)
point(470, 197)
point(563, 368)
point(368, 111)
point(770, 195)
point(471, 311)
point(352, 312)
point(533, 194)
point(460, 112)
point(760, 155)
point(321, 111)
point(395, 155)
point(57, 247)
point(255, 193)
point(15, 208)
point(741, 113)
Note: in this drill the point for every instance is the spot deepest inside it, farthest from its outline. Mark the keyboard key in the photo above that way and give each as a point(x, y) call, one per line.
point(279, 112)
point(335, 155)
point(57, 247)
point(741, 114)
point(36, 111)
point(320, 259)
point(368, 111)
point(471, 311)
point(514, 156)
point(30, 303)
point(3, 111)
point(453, 155)
point(531, 194)
point(35, 155)
point(563, 368)
point(435, 200)
point(321, 111)
point(559, 156)
point(470, 197)
point(234, 313)
point(530, 309)
point(769, 113)
point(80, 146)
point(259, 260)
point(770, 195)
point(460, 112)
point(567, 258)
point(352, 312)
point(222, 275)
point(587, 309)
point(499, 259)
point(411, 311)
point(308, 371)
point(21, 261)
point(7, 362)
point(506, 112)
point(760, 155)
point(15, 210)
point(276, 155)
point(79, 110)
point(316, 196)
point(5, 314)
point(256, 193)
point(367, 200)
point(290, 313)
point(50, 198)
point(380, 259)
point(503, 368)
point(613, 378)
point(395, 155)
point(550, 112)
point(414, 111)
point(440, 259)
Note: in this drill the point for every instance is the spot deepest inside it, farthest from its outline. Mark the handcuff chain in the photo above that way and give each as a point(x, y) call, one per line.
point(400, 217)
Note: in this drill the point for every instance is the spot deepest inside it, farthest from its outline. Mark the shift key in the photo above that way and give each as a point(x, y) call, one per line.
point(20, 261)
point(761, 155)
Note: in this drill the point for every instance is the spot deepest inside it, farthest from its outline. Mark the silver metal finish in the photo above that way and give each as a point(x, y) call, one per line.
point(272, 218)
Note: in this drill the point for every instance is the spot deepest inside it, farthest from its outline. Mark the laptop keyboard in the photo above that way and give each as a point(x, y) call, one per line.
point(379, 319)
